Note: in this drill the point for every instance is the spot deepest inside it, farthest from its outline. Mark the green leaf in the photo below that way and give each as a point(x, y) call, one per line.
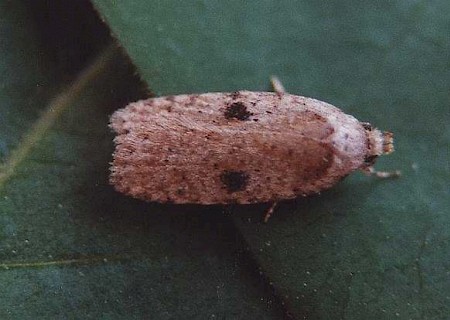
point(71, 247)
point(38, 59)
point(367, 248)
point(24, 82)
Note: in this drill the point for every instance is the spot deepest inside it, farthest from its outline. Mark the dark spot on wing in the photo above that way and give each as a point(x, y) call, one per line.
point(234, 180)
point(237, 110)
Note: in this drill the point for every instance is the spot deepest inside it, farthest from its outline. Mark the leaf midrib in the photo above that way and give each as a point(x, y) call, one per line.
point(53, 111)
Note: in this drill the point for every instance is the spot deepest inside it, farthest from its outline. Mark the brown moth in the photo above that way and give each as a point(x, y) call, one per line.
point(240, 147)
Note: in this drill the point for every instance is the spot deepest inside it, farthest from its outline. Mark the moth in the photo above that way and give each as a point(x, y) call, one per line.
point(240, 147)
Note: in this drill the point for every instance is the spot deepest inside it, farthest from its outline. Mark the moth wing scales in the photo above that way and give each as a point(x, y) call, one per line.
point(181, 154)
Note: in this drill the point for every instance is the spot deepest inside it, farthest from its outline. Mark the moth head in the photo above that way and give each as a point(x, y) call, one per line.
point(378, 143)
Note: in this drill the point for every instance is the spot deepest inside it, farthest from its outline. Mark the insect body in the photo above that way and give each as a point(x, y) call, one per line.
point(241, 147)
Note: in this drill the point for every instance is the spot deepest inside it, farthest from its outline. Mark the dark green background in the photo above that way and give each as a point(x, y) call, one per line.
point(70, 247)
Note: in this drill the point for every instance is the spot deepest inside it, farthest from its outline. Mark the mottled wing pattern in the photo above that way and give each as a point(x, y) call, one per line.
point(241, 147)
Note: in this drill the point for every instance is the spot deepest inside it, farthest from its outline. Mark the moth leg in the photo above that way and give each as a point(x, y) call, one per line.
point(270, 211)
point(277, 85)
point(370, 171)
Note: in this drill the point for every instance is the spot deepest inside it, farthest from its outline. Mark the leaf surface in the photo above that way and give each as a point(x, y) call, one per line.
point(367, 248)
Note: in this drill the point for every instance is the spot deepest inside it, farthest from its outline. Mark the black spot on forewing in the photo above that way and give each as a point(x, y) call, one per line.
point(234, 180)
point(237, 110)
